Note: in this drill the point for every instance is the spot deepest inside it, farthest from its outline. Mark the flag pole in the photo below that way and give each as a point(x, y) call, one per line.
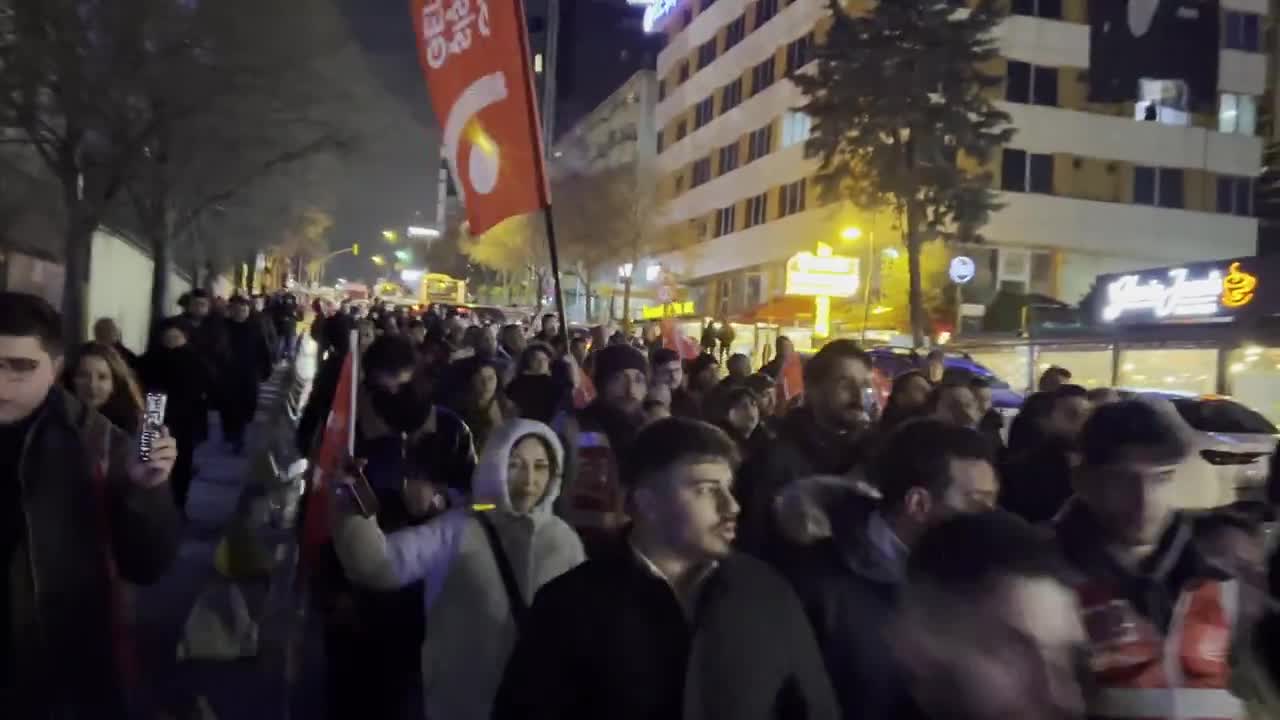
point(353, 348)
point(555, 274)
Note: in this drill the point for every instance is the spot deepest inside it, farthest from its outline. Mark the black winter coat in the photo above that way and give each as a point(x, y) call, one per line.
point(609, 640)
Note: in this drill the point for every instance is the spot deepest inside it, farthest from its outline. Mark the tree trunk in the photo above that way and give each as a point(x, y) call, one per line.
point(915, 297)
point(158, 232)
point(626, 305)
point(79, 256)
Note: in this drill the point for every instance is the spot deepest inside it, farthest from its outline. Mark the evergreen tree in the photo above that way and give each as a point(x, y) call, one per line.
point(902, 119)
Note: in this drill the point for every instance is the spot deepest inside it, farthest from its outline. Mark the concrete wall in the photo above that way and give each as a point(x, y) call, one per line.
point(120, 288)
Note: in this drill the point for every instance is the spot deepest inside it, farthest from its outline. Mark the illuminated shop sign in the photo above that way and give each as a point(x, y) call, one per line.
point(656, 10)
point(1204, 291)
point(834, 276)
point(675, 309)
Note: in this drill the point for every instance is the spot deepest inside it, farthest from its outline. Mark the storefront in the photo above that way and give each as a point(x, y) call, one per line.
point(1199, 328)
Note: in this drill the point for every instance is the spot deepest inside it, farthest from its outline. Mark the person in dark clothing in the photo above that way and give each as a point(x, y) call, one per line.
point(669, 622)
point(739, 367)
point(907, 399)
point(767, 400)
point(172, 367)
point(736, 410)
point(107, 332)
point(702, 378)
point(990, 421)
point(419, 458)
point(725, 335)
point(1043, 453)
point(989, 628)
point(1053, 378)
point(668, 371)
point(550, 332)
point(79, 513)
point(849, 583)
point(710, 336)
point(823, 437)
point(266, 324)
point(540, 388)
point(782, 353)
point(476, 395)
point(250, 365)
point(287, 315)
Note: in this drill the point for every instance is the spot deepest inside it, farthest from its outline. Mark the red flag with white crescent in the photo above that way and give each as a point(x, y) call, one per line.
point(475, 56)
point(673, 338)
point(317, 524)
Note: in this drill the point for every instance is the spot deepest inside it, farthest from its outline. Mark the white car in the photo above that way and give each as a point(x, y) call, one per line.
point(1233, 445)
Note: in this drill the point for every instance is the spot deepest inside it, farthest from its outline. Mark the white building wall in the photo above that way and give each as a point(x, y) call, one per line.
point(120, 288)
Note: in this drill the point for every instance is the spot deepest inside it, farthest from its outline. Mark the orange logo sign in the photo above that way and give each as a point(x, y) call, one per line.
point(1238, 287)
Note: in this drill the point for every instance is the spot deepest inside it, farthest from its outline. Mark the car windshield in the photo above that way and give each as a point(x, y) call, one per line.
point(1222, 416)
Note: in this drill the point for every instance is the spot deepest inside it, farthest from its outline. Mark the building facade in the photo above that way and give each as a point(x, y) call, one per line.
point(1089, 187)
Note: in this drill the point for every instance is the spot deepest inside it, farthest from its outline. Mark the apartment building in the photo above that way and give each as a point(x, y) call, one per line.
point(1089, 187)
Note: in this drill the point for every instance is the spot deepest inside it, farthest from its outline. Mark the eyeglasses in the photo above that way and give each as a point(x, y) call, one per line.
point(17, 369)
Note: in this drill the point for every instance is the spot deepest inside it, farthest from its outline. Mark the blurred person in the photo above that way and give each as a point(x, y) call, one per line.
point(928, 471)
point(988, 628)
point(764, 388)
point(481, 567)
point(101, 380)
point(1103, 396)
point(592, 501)
point(266, 325)
point(81, 513)
point(825, 436)
point(725, 335)
point(736, 410)
point(1159, 616)
point(1053, 378)
point(739, 367)
point(366, 333)
point(1043, 453)
point(668, 371)
point(908, 399)
point(477, 397)
point(669, 622)
point(578, 349)
point(549, 331)
point(990, 421)
point(173, 367)
point(782, 353)
point(538, 391)
point(417, 332)
point(512, 340)
point(954, 403)
point(1071, 410)
point(702, 378)
point(710, 336)
point(651, 336)
point(655, 409)
point(107, 332)
point(287, 315)
point(249, 366)
point(935, 366)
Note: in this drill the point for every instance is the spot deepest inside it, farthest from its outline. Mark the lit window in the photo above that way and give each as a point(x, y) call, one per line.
point(1237, 114)
point(1162, 101)
point(795, 128)
point(537, 62)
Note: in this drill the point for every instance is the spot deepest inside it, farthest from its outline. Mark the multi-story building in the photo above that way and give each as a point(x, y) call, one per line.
point(1088, 187)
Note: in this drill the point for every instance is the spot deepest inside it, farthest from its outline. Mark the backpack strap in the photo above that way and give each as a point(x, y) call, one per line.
point(519, 609)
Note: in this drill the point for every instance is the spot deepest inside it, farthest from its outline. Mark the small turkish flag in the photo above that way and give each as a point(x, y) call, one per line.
point(475, 56)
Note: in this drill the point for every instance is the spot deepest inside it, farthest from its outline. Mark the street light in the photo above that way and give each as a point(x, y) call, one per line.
point(850, 234)
point(417, 231)
point(390, 236)
point(378, 260)
point(403, 255)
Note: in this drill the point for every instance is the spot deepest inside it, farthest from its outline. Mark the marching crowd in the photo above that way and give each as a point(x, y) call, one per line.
point(597, 527)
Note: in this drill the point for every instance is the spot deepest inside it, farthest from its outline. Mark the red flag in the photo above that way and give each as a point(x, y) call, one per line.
point(790, 381)
point(317, 526)
point(673, 338)
point(475, 55)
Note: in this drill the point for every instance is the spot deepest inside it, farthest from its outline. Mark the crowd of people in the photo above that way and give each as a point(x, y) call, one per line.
point(597, 527)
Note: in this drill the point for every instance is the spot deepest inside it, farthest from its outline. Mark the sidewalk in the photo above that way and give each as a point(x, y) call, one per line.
point(239, 690)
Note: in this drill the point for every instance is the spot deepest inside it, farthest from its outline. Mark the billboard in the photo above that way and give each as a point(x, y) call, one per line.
point(1130, 40)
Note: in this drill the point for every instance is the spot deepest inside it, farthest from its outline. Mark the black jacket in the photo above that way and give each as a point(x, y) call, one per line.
point(250, 351)
point(1036, 483)
point(540, 397)
point(609, 640)
point(60, 595)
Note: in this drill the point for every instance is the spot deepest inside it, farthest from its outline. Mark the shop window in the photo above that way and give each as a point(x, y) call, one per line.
point(703, 112)
point(762, 75)
point(1242, 31)
point(1237, 114)
point(1168, 369)
point(735, 32)
point(701, 172)
point(1012, 365)
point(706, 53)
point(1235, 195)
point(725, 220)
point(765, 10)
point(1038, 8)
point(731, 96)
point(728, 158)
point(798, 53)
point(1254, 373)
point(795, 128)
point(791, 198)
point(1022, 171)
point(759, 143)
point(757, 210)
point(683, 74)
point(1035, 84)
point(1089, 367)
point(1162, 101)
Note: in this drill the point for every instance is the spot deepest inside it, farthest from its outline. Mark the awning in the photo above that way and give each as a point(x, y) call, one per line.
point(782, 310)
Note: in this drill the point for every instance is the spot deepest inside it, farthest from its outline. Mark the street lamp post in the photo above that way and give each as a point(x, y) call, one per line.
point(624, 273)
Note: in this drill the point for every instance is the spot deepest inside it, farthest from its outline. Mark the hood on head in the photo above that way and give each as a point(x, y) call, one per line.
point(489, 484)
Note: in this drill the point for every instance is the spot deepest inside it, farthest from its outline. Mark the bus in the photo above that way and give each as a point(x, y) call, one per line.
point(441, 288)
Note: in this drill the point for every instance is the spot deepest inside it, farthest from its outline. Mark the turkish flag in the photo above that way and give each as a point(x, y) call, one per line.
point(317, 521)
point(475, 55)
point(673, 338)
point(790, 381)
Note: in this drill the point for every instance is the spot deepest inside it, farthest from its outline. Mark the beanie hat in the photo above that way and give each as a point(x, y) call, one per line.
point(613, 359)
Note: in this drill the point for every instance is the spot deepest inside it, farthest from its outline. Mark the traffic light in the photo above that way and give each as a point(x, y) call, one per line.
point(355, 248)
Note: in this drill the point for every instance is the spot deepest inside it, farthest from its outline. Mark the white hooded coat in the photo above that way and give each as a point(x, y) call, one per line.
point(470, 627)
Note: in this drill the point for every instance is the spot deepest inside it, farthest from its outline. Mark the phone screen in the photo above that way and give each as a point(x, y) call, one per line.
point(152, 421)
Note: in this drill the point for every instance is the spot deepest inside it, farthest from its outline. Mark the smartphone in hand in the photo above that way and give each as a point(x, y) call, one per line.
point(152, 422)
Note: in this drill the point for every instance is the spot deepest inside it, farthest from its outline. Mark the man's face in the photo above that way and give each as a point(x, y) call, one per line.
point(27, 371)
point(958, 406)
point(1133, 497)
point(626, 391)
point(935, 368)
point(239, 312)
point(974, 488)
point(259, 303)
point(670, 374)
point(839, 400)
point(550, 325)
point(739, 366)
point(578, 349)
point(913, 393)
point(706, 378)
point(692, 509)
point(198, 307)
point(1068, 416)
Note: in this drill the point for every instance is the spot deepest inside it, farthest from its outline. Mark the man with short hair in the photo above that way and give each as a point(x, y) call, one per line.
point(1053, 378)
point(928, 471)
point(668, 372)
point(550, 332)
point(739, 367)
point(989, 629)
point(249, 366)
point(954, 403)
point(79, 511)
point(107, 332)
point(669, 622)
point(825, 436)
point(1160, 615)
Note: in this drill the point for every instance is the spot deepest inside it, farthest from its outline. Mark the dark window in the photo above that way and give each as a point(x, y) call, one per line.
point(798, 53)
point(1013, 170)
point(728, 158)
point(1017, 87)
point(660, 142)
point(1244, 196)
point(682, 129)
point(762, 76)
point(791, 198)
point(1144, 185)
point(731, 96)
point(662, 90)
point(1226, 194)
point(759, 143)
point(765, 10)
point(1037, 8)
point(686, 17)
point(1041, 174)
point(1242, 31)
point(701, 172)
point(706, 53)
point(735, 32)
point(725, 220)
point(757, 210)
point(1171, 188)
point(684, 71)
point(1044, 86)
point(1235, 195)
point(703, 112)
point(705, 4)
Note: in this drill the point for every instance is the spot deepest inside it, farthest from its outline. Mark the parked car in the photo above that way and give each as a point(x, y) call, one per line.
point(890, 361)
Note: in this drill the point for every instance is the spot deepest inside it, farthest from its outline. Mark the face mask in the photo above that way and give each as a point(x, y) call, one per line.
point(404, 410)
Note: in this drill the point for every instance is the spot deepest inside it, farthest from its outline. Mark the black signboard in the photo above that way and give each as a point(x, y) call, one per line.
point(1156, 39)
point(1203, 292)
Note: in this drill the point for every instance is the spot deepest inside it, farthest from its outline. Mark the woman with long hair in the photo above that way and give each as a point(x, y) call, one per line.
point(477, 397)
point(99, 378)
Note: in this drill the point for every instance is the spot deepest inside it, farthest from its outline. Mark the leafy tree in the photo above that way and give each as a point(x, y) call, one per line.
point(514, 249)
point(902, 119)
